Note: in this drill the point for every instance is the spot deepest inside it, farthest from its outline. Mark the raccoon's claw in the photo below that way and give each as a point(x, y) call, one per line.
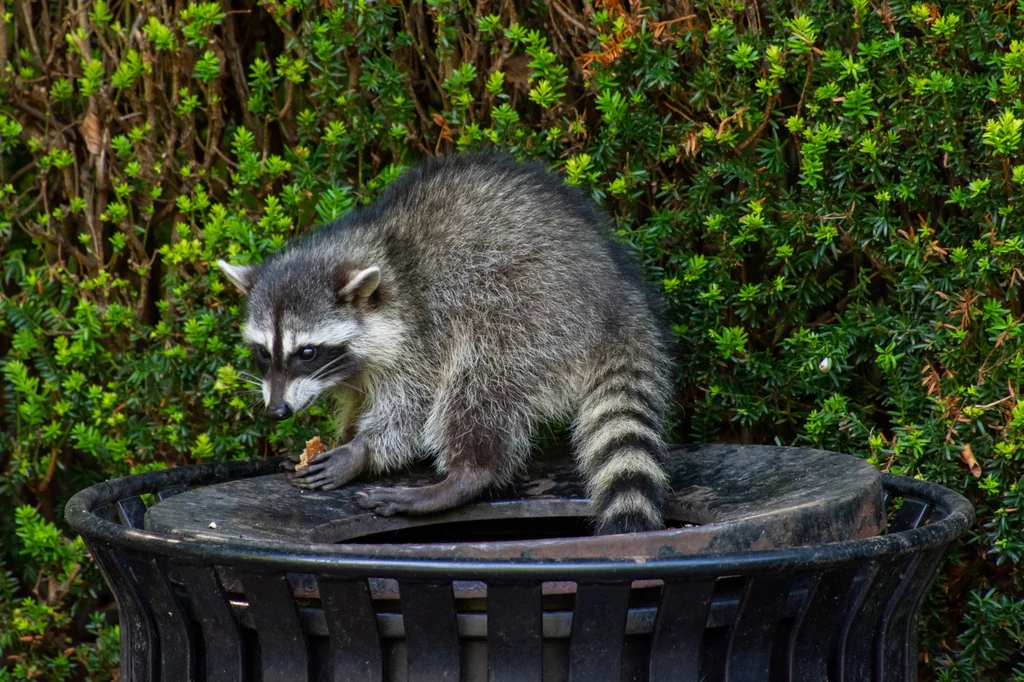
point(316, 479)
point(388, 501)
point(317, 463)
point(331, 469)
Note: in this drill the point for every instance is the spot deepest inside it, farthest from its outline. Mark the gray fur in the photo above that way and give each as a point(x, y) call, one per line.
point(502, 301)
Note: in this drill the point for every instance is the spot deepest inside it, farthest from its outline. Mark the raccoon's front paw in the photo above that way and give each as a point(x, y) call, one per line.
point(390, 501)
point(331, 469)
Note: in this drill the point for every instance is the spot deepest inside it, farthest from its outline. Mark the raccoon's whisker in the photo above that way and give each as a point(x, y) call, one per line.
point(323, 370)
point(354, 388)
point(319, 374)
point(329, 365)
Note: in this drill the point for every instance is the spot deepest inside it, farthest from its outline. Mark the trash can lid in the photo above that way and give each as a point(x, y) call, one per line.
point(726, 498)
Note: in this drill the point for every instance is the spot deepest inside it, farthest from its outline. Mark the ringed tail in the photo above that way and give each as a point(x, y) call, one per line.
point(620, 446)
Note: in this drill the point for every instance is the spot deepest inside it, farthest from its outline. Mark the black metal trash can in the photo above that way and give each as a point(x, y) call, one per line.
point(217, 608)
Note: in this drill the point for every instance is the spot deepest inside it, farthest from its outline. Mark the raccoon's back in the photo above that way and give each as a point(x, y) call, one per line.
point(474, 230)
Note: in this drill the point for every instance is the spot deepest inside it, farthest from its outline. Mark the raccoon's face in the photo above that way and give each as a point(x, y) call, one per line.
point(303, 326)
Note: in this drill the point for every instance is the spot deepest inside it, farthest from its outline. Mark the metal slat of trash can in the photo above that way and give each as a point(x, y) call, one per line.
point(132, 511)
point(678, 631)
point(913, 513)
point(177, 650)
point(352, 624)
point(812, 638)
point(852, 658)
point(751, 636)
point(861, 640)
point(598, 630)
point(224, 657)
point(171, 491)
point(515, 626)
point(862, 634)
point(284, 651)
point(139, 637)
point(431, 631)
point(900, 643)
point(887, 654)
point(897, 639)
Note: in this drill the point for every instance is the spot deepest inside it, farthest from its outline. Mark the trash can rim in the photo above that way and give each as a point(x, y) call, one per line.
point(322, 559)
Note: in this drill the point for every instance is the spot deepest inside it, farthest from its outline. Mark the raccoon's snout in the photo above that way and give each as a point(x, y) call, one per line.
point(275, 396)
point(279, 412)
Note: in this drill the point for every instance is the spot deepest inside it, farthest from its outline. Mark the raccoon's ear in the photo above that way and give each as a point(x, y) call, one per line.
point(360, 286)
point(242, 276)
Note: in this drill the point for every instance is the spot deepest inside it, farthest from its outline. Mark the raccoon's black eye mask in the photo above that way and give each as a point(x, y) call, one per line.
point(322, 362)
point(262, 356)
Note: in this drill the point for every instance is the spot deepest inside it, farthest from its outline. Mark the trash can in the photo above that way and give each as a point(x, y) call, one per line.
point(777, 564)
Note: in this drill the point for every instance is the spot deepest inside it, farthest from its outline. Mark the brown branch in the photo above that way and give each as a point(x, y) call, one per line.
point(107, 49)
point(148, 88)
point(26, 17)
point(236, 68)
point(21, 213)
point(557, 34)
point(3, 39)
point(289, 33)
point(20, 173)
point(807, 83)
point(760, 129)
point(586, 30)
point(266, 137)
point(138, 249)
point(417, 28)
point(474, 37)
point(85, 260)
point(57, 40)
point(754, 17)
point(50, 121)
point(355, 68)
point(215, 124)
point(289, 90)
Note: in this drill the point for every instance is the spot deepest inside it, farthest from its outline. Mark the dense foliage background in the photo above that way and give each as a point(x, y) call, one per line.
point(826, 192)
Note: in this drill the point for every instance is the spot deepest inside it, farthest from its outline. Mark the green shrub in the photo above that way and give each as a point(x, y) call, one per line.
point(827, 198)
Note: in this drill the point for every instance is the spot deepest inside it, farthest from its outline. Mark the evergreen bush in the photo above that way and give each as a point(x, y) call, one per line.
point(826, 193)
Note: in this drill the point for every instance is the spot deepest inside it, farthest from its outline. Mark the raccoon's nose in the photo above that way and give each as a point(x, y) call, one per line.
point(282, 411)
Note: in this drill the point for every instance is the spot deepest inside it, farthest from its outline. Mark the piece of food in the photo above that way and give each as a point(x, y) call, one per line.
point(314, 446)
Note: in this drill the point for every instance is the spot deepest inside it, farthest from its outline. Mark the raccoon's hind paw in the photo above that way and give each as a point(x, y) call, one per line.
point(390, 501)
point(457, 489)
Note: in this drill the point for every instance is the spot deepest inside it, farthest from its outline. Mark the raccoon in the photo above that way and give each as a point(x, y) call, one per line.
point(476, 299)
